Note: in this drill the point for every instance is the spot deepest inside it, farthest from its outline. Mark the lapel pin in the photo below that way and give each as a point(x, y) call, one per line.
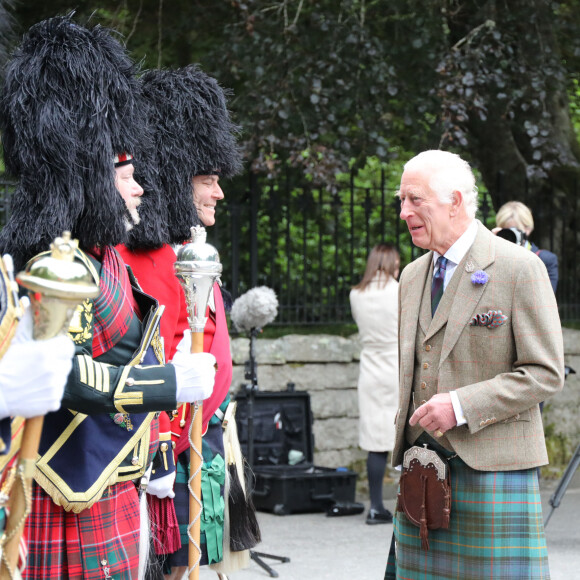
point(470, 267)
point(479, 277)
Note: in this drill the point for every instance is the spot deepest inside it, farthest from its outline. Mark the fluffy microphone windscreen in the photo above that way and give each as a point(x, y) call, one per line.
point(254, 309)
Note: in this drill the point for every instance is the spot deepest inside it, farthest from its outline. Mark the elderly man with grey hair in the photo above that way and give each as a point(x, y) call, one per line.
point(480, 346)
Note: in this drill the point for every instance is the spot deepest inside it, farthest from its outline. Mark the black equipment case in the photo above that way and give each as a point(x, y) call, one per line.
point(286, 480)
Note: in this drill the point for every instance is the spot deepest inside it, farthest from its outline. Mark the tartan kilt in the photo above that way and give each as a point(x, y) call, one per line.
point(213, 444)
point(496, 531)
point(81, 546)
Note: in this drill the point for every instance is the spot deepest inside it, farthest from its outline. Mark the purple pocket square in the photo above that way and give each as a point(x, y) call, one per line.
point(491, 319)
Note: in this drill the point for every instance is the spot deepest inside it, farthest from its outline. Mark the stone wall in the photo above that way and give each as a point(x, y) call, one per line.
point(327, 367)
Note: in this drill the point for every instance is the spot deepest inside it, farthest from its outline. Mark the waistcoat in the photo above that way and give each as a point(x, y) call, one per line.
point(428, 355)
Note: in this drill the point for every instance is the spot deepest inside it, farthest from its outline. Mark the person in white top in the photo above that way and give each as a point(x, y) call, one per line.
point(374, 309)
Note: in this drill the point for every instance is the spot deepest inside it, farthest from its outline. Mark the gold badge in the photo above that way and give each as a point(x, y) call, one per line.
point(158, 349)
point(80, 329)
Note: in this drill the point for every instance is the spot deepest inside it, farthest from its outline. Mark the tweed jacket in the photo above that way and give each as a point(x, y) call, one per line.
point(500, 373)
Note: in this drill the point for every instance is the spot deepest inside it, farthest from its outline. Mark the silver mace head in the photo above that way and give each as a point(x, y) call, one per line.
point(197, 267)
point(57, 285)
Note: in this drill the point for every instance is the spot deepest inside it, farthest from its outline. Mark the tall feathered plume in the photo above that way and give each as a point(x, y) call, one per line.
point(193, 135)
point(70, 101)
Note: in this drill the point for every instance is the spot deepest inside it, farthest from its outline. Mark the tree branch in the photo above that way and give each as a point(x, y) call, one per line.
point(159, 33)
point(135, 20)
point(298, 13)
point(468, 37)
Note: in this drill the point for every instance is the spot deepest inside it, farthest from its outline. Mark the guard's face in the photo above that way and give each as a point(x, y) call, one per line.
point(206, 193)
point(129, 189)
point(428, 219)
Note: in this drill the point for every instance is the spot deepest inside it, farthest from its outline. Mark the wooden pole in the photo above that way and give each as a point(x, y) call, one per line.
point(195, 459)
point(197, 267)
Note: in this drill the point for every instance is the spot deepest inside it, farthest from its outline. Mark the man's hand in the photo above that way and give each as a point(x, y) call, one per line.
point(437, 415)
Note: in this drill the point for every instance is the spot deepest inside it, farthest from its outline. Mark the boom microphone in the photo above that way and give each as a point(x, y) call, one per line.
point(254, 309)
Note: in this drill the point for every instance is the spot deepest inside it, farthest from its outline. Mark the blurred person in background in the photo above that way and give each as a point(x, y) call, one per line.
point(514, 214)
point(374, 305)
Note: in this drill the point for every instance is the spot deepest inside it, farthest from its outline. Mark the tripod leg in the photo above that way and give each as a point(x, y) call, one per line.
point(272, 557)
point(262, 564)
point(257, 557)
point(564, 483)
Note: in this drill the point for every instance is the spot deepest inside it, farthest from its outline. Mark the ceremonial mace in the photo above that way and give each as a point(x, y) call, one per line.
point(57, 285)
point(197, 268)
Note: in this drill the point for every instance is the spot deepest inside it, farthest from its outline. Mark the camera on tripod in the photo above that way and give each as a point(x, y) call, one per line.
point(513, 235)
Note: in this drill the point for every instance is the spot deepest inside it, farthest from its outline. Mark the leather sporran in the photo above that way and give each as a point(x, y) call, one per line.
point(425, 491)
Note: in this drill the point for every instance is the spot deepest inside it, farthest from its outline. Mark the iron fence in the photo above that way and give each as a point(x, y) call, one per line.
point(310, 244)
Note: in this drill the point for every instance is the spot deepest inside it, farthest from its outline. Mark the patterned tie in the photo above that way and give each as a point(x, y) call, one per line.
point(437, 287)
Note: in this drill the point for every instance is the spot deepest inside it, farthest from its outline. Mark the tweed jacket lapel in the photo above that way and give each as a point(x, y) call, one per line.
point(411, 303)
point(464, 294)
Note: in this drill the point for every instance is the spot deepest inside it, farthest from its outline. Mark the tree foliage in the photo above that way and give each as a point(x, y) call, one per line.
point(324, 81)
point(505, 94)
point(6, 34)
point(317, 83)
point(320, 83)
point(322, 87)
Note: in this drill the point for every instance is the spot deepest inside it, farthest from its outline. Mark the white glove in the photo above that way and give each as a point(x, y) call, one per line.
point(33, 373)
point(195, 375)
point(185, 343)
point(163, 486)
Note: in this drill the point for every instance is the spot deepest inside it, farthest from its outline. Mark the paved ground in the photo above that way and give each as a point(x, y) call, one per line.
point(345, 548)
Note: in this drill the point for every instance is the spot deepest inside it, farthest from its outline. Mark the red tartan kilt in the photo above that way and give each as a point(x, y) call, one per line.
point(80, 546)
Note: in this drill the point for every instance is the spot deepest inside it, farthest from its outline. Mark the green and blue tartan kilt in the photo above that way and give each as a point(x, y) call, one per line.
point(496, 531)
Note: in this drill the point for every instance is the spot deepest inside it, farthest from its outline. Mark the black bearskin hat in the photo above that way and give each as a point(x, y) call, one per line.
point(193, 135)
point(70, 102)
